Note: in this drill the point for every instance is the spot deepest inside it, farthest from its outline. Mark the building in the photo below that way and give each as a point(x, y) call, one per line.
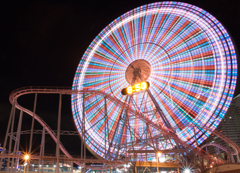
point(230, 127)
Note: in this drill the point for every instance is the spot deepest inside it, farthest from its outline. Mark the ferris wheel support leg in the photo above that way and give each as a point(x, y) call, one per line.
point(159, 110)
point(16, 146)
point(58, 131)
point(32, 126)
point(6, 136)
point(109, 150)
point(162, 117)
point(124, 119)
point(132, 133)
point(10, 143)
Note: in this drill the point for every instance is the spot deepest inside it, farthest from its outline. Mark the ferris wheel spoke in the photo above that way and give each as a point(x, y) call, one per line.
point(175, 100)
point(124, 42)
point(183, 38)
point(171, 25)
point(176, 33)
point(89, 109)
point(150, 20)
point(177, 121)
point(115, 40)
point(95, 123)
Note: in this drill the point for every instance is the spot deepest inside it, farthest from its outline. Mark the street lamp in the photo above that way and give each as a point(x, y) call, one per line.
point(25, 164)
point(158, 155)
point(26, 157)
point(187, 170)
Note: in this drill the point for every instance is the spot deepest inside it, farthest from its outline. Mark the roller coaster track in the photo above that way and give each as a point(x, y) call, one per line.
point(220, 135)
point(220, 147)
point(68, 91)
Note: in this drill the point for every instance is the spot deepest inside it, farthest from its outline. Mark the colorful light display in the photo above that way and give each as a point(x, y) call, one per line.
point(193, 76)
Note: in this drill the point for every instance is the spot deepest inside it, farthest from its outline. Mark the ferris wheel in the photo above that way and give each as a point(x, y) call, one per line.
point(172, 61)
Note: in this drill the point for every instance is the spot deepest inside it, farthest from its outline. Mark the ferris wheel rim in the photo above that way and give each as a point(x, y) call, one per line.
point(195, 11)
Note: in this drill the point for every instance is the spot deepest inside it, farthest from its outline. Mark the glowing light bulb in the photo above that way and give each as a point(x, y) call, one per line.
point(26, 157)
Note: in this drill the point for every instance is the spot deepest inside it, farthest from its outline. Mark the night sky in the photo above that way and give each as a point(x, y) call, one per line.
point(42, 43)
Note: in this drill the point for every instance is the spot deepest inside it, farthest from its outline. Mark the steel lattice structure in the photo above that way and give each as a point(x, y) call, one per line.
point(113, 162)
point(193, 72)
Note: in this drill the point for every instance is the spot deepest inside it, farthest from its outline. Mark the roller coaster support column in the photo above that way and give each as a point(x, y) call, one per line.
point(231, 160)
point(10, 143)
point(41, 161)
point(58, 132)
point(8, 127)
point(16, 146)
point(84, 131)
point(82, 137)
point(31, 135)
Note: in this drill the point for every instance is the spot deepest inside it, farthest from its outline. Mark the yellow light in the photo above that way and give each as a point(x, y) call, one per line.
point(159, 154)
point(26, 157)
point(137, 87)
point(129, 90)
point(143, 85)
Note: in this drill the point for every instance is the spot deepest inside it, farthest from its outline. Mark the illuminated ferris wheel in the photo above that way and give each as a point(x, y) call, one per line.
point(172, 61)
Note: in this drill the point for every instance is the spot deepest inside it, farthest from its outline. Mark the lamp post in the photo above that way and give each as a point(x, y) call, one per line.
point(26, 158)
point(25, 164)
point(158, 155)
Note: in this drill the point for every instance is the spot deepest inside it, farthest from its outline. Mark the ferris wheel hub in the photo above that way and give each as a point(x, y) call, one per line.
point(138, 71)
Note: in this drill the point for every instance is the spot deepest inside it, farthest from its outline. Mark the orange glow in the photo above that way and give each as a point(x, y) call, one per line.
point(129, 90)
point(26, 157)
point(144, 85)
point(137, 87)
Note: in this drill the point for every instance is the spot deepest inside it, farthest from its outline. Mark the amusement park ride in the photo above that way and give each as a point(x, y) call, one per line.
point(154, 83)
